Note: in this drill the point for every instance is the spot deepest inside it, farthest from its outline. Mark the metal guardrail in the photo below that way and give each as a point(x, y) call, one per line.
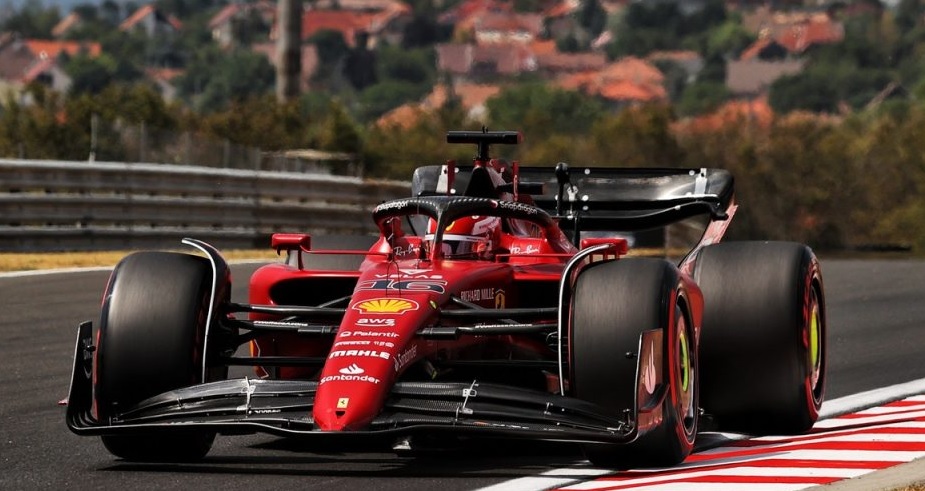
point(58, 206)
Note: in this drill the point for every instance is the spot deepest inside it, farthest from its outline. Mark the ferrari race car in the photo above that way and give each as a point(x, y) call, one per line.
point(498, 301)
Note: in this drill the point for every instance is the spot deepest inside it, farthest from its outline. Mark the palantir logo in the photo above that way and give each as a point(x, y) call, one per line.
point(353, 369)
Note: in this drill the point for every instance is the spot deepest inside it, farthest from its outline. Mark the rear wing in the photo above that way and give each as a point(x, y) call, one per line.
point(602, 198)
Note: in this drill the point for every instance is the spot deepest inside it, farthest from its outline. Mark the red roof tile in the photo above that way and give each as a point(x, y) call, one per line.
point(627, 79)
point(51, 49)
point(143, 12)
point(756, 111)
point(65, 25)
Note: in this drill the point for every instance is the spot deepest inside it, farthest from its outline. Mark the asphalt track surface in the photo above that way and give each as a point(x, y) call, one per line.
point(875, 308)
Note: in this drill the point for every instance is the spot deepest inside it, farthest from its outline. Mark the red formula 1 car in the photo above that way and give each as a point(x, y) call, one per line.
point(498, 301)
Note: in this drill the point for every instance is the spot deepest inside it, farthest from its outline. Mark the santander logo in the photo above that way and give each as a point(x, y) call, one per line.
point(353, 369)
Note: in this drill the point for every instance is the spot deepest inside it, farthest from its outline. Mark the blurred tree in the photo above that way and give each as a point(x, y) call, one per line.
point(338, 132)
point(424, 30)
point(261, 122)
point(215, 77)
point(635, 137)
point(360, 66)
point(93, 74)
point(332, 49)
point(378, 99)
point(702, 97)
point(728, 39)
point(33, 20)
point(592, 17)
point(539, 111)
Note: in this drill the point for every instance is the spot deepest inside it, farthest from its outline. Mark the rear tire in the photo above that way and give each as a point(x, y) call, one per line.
point(763, 344)
point(612, 304)
point(151, 337)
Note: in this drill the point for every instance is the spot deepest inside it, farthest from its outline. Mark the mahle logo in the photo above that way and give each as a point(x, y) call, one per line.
point(386, 306)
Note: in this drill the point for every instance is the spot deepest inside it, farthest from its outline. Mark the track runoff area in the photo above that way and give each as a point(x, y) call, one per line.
point(855, 435)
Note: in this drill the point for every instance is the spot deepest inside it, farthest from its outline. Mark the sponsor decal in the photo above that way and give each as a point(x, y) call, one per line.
point(386, 306)
point(367, 334)
point(405, 357)
point(375, 321)
point(478, 294)
point(343, 402)
point(406, 251)
point(500, 299)
point(384, 344)
point(349, 378)
point(401, 203)
point(280, 323)
point(418, 274)
point(530, 249)
point(350, 373)
point(364, 342)
point(265, 411)
point(353, 369)
point(360, 352)
point(518, 207)
point(414, 285)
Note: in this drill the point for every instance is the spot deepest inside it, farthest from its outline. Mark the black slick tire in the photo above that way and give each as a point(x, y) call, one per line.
point(763, 344)
point(612, 304)
point(150, 341)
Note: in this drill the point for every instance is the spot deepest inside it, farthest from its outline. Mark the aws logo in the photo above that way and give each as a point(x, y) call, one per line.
point(386, 306)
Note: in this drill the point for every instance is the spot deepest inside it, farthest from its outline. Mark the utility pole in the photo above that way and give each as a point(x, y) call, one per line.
point(288, 49)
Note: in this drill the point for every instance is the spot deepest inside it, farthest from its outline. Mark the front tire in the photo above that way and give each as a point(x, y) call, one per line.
point(151, 340)
point(612, 304)
point(763, 345)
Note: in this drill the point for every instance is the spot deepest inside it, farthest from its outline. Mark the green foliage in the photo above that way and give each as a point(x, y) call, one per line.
point(824, 87)
point(381, 98)
point(415, 66)
point(261, 122)
point(33, 20)
point(908, 14)
point(728, 39)
point(828, 182)
point(95, 74)
point(360, 67)
point(592, 17)
point(395, 152)
point(185, 8)
point(216, 77)
point(647, 27)
point(424, 30)
point(338, 132)
point(332, 49)
point(636, 137)
point(702, 97)
point(540, 111)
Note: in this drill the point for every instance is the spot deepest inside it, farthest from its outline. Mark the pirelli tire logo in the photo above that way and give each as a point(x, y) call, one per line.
point(396, 306)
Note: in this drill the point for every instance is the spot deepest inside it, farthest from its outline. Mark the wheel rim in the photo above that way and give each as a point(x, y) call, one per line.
point(814, 341)
point(685, 377)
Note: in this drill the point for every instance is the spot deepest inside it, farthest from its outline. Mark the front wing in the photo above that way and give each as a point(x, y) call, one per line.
point(284, 408)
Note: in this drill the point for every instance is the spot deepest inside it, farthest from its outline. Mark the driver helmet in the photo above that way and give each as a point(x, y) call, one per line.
point(472, 237)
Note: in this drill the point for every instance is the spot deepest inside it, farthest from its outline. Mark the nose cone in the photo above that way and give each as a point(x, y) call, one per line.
point(349, 397)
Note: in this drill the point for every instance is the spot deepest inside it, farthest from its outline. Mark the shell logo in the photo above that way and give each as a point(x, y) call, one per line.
point(386, 306)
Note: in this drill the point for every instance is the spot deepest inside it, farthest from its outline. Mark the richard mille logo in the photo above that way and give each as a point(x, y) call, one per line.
point(353, 369)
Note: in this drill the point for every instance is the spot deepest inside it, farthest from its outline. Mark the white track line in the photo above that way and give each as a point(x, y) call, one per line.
point(575, 476)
